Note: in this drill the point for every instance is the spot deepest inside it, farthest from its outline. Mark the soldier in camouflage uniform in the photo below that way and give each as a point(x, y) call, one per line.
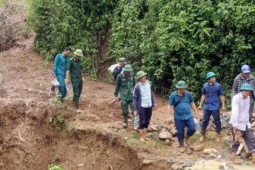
point(125, 85)
point(74, 70)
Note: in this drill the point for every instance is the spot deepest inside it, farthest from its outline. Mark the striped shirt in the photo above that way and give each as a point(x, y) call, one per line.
point(239, 81)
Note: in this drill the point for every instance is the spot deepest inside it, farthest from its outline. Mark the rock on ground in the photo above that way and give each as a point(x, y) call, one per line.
point(164, 134)
point(210, 151)
point(198, 147)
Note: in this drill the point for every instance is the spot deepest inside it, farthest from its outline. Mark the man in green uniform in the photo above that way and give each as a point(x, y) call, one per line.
point(74, 69)
point(125, 86)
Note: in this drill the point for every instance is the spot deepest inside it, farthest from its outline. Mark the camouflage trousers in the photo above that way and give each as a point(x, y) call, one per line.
point(124, 107)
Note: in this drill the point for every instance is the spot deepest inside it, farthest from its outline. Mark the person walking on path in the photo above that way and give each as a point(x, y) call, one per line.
point(212, 97)
point(59, 70)
point(245, 77)
point(181, 103)
point(119, 69)
point(239, 121)
point(125, 86)
point(74, 70)
point(143, 103)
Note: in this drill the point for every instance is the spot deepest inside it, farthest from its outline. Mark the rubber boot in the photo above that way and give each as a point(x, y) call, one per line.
point(234, 160)
point(125, 123)
point(146, 138)
point(218, 137)
point(142, 134)
point(253, 157)
point(182, 148)
point(202, 138)
point(187, 139)
point(77, 107)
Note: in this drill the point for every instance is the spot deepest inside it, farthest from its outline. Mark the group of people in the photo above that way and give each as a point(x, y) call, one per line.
point(181, 104)
point(135, 94)
point(66, 69)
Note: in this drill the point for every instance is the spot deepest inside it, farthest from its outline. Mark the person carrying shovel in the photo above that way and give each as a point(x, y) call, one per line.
point(239, 121)
point(125, 85)
point(74, 70)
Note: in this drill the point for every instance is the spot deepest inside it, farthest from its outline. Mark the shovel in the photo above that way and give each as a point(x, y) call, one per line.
point(113, 101)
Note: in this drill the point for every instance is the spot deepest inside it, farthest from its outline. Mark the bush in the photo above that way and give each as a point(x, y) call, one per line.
point(185, 39)
point(170, 40)
point(55, 167)
point(9, 29)
point(80, 24)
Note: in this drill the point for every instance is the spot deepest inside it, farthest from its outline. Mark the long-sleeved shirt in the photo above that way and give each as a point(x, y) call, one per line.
point(124, 86)
point(239, 81)
point(240, 112)
point(60, 64)
point(117, 70)
point(138, 97)
point(75, 67)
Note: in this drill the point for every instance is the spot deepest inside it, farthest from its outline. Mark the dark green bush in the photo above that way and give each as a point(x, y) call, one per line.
point(171, 40)
point(183, 39)
point(81, 24)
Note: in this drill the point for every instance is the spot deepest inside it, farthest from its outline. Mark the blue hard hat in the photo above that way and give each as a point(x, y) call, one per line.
point(246, 87)
point(245, 69)
point(210, 74)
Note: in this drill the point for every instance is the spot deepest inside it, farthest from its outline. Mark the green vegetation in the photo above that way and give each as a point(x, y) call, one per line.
point(81, 24)
point(55, 167)
point(57, 121)
point(1, 2)
point(169, 39)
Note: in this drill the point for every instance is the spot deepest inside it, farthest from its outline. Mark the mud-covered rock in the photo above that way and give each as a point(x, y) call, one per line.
point(80, 165)
point(209, 151)
point(153, 135)
point(153, 127)
point(219, 157)
point(147, 162)
point(177, 167)
point(198, 148)
point(164, 134)
point(224, 166)
point(168, 142)
point(173, 131)
point(187, 164)
point(212, 155)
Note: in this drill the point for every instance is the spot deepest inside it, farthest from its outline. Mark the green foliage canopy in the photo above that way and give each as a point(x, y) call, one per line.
point(170, 40)
point(81, 24)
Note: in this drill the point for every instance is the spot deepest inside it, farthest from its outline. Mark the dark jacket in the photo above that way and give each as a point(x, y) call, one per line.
point(116, 72)
point(137, 98)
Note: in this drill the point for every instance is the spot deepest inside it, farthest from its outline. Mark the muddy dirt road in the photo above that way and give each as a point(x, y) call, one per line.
point(33, 135)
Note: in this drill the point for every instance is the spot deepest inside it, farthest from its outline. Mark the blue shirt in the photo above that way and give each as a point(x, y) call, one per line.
point(60, 64)
point(212, 95)
point(183, 109)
